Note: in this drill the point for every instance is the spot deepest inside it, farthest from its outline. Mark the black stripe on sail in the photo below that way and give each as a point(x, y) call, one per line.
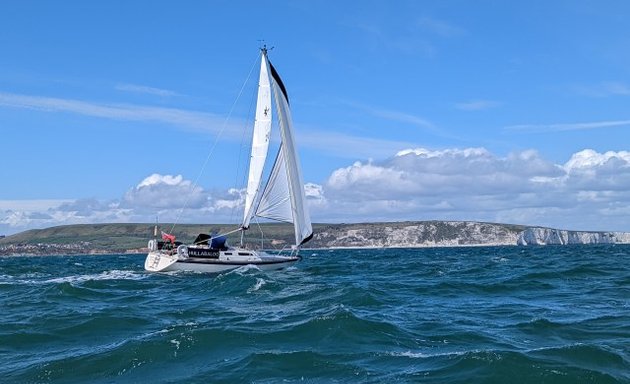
point(276, 77)
point(307, 238)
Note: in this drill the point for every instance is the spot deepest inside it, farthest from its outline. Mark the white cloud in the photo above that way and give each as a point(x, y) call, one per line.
point(336, 143)
point(126, 112)
point(164, 191)
point(39, 214)
point(231, 200)
point(589, 159)
point(607, 172)
point(173, 198)
point(588, 192)
point(421, 172)
point(313, 191)
point(169, 198)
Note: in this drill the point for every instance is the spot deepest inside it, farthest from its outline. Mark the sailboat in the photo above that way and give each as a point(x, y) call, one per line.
point(280, 198)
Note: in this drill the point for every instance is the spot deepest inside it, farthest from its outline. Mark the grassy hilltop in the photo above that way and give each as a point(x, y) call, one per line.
point(121, 237)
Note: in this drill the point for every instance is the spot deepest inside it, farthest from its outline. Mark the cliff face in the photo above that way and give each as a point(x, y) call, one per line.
point(422, 234)
point(452, 233)
point(548, 236)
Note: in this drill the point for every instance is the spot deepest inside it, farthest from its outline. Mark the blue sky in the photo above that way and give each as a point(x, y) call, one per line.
point(500, 111)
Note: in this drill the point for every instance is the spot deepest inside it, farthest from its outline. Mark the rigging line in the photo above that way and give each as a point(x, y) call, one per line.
point(214, 145)
point(262, 235)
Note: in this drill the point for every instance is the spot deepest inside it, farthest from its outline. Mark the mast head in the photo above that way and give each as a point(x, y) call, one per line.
point(264, 48)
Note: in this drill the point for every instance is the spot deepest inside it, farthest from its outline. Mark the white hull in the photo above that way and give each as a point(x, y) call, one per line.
point(159, 261)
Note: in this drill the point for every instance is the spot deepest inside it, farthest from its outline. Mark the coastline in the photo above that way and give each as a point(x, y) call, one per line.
point(103, 239)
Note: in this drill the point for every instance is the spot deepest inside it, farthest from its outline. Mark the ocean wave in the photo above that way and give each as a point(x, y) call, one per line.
point(459, 316)
point(43, 279)
point(259, 284)
point(106, 275)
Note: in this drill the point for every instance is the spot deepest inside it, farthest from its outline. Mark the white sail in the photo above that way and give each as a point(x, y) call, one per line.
point(260, 141)
point(275, 203)
point(295, 185)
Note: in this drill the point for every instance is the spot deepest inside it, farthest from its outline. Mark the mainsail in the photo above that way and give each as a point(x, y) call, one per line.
point(283, 197)
point(260, 141)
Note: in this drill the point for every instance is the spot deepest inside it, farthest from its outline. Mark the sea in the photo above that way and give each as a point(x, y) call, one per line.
point(552, 314)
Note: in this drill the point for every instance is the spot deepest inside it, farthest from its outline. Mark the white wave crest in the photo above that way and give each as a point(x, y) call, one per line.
point(420, 355)
point(106, 275)
point(77, 279)
point(259, 283)
point(245, 269)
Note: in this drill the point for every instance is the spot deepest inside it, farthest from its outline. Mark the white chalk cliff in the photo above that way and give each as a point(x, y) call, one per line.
point(453, 233)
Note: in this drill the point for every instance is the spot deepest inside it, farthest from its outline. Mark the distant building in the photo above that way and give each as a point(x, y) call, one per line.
point(2, 236)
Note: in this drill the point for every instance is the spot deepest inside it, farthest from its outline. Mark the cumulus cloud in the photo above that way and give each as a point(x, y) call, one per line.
point(232, 199)
point(313, 191)
point(85, 207)
point(46, 213)
point(164, 191)
point(170, 198)
point(421, 172)
point(474, 184)
point(589, 160)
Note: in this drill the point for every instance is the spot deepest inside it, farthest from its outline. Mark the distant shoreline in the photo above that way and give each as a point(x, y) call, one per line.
point(130, 238)
point(97, 254)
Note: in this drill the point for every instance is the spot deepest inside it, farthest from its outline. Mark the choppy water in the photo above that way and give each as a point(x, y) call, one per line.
point(449, 315)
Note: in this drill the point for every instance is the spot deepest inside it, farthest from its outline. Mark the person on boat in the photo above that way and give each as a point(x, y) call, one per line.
point(169, 240)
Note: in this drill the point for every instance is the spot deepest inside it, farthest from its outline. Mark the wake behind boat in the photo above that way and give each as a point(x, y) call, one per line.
point(281, 198)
